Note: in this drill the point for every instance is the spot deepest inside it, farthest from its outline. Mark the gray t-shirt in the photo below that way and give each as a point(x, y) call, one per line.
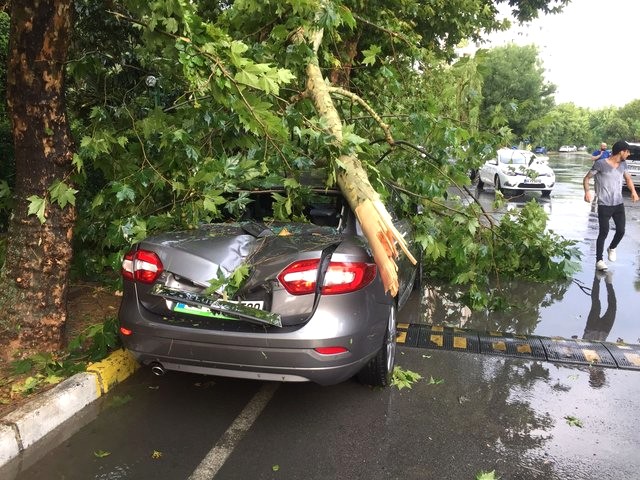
point(608, 182)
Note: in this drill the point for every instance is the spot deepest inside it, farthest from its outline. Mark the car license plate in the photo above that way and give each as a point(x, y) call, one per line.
point(205, 312)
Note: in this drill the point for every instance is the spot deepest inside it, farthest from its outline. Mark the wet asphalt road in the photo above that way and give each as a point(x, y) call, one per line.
point(470, 413)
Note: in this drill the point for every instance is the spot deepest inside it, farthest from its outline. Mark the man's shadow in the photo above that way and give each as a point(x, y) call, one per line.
point(599, 326)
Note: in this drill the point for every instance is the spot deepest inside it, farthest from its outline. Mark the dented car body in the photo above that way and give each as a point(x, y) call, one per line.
point(311, 306)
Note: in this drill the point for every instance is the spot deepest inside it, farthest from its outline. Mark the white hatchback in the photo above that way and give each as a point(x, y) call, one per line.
point(515, 171)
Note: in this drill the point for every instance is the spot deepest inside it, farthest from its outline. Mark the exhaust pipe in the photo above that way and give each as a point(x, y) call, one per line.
point(157, 369)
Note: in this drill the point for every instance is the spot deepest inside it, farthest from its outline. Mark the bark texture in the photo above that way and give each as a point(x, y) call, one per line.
point(33, 280)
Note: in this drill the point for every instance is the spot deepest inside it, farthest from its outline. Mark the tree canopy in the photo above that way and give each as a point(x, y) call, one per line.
point(178, 107)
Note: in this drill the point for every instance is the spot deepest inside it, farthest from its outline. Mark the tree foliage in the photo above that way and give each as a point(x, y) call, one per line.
point(514, 89)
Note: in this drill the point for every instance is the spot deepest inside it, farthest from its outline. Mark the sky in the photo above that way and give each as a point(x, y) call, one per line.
point(589, 51)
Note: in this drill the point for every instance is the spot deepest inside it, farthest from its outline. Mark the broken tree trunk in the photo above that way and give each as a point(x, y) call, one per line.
point(353, 181)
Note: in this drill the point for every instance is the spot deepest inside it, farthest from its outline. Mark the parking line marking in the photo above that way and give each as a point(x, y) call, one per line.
point(214, 460)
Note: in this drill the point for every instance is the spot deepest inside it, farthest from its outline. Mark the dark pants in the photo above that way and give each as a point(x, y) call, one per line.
point(605, 213)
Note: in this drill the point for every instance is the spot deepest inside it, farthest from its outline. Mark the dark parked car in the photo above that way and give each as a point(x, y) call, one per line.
point(540, 150)
point(311, 308)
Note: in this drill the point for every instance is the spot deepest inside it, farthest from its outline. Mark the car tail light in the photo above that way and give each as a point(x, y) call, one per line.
point(125, 331)
point(300, 277)
point(141, 266)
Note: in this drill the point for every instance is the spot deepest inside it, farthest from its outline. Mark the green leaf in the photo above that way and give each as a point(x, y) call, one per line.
point(125, 192)
point(36, 207)
point(20, 367)
point(487, 476)
point(573, 421)
point(101, 453)
point(402, 378)
point(62, 194)
point(370, 54)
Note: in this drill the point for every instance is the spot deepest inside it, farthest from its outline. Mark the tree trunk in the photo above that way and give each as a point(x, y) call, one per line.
point(33, 280)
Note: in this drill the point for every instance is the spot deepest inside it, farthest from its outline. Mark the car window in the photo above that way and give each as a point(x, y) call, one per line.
point(513, 158)
point(635, 153)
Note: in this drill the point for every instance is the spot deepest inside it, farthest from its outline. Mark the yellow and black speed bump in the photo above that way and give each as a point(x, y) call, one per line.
point(537, 348)
point(578, 351)
point(437, 337)
point(626, 356)
point(512, 345)
point(447, 338)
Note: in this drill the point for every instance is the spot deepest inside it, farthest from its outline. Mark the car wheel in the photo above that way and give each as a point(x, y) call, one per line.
point(497, 183)
point(379, 370)
point(480, 184)
point(546, 193)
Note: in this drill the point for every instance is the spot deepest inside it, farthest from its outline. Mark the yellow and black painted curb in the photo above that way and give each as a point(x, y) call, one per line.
point(552, 349)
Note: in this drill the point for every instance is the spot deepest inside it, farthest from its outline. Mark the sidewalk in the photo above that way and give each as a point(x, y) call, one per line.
point(30, 423)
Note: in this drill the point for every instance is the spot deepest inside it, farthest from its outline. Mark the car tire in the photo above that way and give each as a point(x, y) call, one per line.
point(546, 193)
point(498, 185)
point(379, 370)
point(480, 184)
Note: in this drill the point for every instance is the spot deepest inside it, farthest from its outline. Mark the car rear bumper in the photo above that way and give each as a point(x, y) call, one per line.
point(263, 355)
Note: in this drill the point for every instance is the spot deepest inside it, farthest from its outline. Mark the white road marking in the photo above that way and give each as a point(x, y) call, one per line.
point(215, 459)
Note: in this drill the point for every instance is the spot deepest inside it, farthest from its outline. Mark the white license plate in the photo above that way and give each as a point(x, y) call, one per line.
point(205, 312)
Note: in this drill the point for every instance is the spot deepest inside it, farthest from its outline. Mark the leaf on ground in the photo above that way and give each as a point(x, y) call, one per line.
point(275, 468)
point(156, 454)
point(404, 378)
point(101, 453)
point(573, 421)
point(435, 381)
point(487, 475)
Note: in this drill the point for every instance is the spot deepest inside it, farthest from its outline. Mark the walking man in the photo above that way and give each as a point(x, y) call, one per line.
point(610, 173)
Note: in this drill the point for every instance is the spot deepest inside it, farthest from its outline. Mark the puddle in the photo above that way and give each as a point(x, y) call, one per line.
point(598, 307)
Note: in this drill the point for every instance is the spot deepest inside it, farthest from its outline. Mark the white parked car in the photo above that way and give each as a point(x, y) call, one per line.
point(515, 171)
point(568, 148)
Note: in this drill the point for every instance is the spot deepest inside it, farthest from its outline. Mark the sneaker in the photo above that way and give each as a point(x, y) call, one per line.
point(611, 254)
point(600, 265)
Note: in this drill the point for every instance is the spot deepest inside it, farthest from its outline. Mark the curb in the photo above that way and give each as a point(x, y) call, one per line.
point(26, 425)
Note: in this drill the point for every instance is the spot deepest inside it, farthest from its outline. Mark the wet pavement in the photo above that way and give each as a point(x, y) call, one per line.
point(591, 306)
point(525, 419)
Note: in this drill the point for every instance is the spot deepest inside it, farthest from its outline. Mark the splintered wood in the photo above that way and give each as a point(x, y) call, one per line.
point(382, 235)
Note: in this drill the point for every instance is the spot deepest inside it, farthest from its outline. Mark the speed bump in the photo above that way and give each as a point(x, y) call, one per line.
point(512, 345)
point(626, 356)
point(578, 351)
point(553, 349)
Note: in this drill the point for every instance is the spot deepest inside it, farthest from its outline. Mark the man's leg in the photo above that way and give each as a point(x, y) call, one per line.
point(604, 214)
point(620, 221)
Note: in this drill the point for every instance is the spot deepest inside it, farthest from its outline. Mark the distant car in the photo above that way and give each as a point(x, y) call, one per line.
point(633, 163)
point(516, 171)
point(312, 307)
point(540, 150)
point(568, 148)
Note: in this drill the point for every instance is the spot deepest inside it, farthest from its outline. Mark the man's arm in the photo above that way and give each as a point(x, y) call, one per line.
point(630, 186)
point(585, 185)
